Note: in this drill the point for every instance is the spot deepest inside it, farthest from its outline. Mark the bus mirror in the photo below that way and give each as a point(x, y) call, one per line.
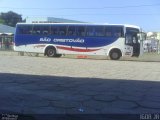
point(141, 36)
point(144, 36)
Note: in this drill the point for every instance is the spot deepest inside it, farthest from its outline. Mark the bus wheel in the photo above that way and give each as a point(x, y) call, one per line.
point(115, 54)
point(51, 52)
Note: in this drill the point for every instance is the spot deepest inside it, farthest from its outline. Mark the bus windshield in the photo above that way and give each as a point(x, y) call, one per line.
point(132, 30)
point(131, 35)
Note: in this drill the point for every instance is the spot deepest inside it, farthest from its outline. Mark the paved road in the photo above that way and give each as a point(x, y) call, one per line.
point(40, 85)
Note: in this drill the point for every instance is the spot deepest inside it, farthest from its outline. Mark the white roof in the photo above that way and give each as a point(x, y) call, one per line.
point(126, 25)
point(6, 33)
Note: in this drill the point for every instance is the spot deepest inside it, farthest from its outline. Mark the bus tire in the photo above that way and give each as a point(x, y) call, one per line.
point(115, 54)
point(50, 52)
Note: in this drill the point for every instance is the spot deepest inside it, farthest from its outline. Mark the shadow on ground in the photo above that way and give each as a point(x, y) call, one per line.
point(55, 95)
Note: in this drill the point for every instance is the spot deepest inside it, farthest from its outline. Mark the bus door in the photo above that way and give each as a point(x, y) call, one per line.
point(132, 40)
point(136, 46)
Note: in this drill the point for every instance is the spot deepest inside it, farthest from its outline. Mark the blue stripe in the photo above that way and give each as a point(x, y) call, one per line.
point(88, 41)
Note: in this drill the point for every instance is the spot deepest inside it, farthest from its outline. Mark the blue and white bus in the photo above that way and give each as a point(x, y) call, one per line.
point(55, 39)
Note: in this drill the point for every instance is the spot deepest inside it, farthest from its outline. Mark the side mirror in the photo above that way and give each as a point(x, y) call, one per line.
point(141, 36)
point(144, 36)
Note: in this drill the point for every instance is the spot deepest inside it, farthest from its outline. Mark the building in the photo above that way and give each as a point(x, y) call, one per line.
point(151, 45)
point(6, 36)
point(50, 20)
point(158, 36)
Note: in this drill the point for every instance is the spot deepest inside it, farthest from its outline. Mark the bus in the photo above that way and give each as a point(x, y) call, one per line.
point(56, 39)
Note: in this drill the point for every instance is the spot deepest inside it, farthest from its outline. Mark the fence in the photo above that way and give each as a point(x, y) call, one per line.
point(151, 45)
point(6, 42)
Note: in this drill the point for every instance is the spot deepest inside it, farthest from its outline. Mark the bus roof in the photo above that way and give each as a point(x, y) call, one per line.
point(125, 25)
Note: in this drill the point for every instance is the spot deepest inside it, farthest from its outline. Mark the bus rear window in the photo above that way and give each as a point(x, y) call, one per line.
point(24, 29)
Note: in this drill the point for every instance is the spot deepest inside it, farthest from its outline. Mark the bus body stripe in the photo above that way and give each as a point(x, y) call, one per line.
point(77, 49)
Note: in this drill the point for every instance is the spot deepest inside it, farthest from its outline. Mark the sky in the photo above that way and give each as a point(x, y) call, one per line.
point(144, 13)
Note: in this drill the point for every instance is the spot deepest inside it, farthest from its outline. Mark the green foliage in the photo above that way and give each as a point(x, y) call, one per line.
point(1, 21)
point(10, 18)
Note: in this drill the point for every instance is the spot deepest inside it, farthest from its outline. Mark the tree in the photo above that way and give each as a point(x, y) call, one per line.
point(1, 21)
point(10, 18)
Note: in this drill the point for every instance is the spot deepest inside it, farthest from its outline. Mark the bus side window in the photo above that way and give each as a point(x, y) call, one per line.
point(21, 30)
point(28, 30)
point(108, 31)
point(36, 30)
point(71, 31)
point(45, 30)
point(62, 30)
point(54, 30)
point(128, 39)
point(24, 30)
point(90, 31)
point(81, 31)
point(99, 31)
point(118, 32)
